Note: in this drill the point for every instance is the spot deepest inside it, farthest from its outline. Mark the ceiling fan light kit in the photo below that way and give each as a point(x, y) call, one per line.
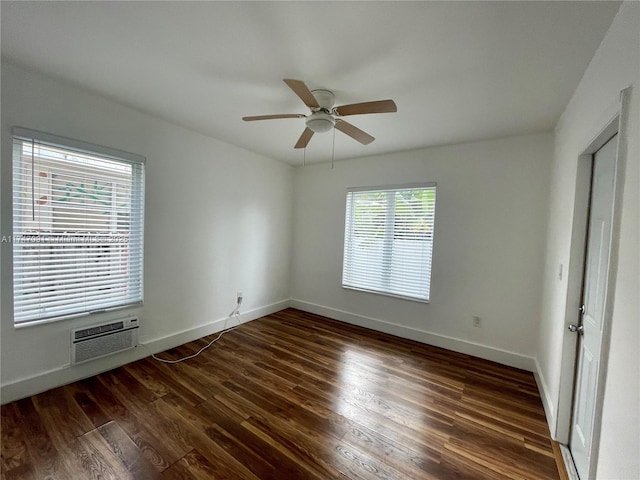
point(320, 122)
point(323, 116)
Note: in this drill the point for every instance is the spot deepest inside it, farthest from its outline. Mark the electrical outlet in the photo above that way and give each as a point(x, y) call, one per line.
point(239, 297)
point(477, 322)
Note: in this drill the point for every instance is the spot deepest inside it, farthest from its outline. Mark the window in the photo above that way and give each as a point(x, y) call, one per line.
point(77, 227)
point(388, 240)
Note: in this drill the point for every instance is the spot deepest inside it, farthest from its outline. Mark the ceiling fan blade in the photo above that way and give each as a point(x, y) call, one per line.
point(354, 132)
point(304, 138)
point(302, 91)
point(380, 106)
point(269, 117)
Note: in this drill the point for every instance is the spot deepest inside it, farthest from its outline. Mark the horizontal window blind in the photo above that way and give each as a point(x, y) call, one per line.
point(388, 242)
point(78, 216)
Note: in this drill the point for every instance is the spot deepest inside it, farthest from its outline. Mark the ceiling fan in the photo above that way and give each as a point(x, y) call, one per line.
point(324, 116)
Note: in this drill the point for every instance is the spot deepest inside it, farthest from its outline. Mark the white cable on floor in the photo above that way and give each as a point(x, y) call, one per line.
point(235, 314)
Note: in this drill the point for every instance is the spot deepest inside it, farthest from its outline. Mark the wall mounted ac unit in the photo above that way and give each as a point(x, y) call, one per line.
point(99, 340)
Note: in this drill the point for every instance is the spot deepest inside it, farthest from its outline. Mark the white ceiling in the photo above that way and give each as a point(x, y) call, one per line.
point(458, 71)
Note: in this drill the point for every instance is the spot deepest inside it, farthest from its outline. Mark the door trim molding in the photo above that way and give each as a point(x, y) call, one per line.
point(572, 473)
point(617, 124)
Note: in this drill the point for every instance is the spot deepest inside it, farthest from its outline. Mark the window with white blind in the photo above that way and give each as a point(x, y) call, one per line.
point(77, 227)
point(388, 241)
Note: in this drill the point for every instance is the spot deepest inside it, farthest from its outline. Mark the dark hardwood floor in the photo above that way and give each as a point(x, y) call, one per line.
point(289, 396)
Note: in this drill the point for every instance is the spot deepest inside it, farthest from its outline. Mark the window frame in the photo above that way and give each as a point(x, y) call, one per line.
point(137, 198)
point(388, 238)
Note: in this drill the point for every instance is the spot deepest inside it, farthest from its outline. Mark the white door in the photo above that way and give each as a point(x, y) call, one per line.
point(593, 298)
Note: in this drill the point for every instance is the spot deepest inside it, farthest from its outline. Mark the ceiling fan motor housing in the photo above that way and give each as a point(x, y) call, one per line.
point(325, 98)
point(321, 119)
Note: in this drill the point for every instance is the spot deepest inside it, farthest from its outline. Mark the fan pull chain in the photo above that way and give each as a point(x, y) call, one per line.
point(304, 156)
point(333, 148)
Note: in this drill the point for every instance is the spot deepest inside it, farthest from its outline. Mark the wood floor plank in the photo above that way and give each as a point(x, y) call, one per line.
point(124, 448)
point(65, 419)
point(316, 458)
point(150, 445)
point(142, 424)
point(412, 463)
point(47, 462)
point(24, 471)
point(225, 428)
point(196, 466)
point(13, 446)
point(515, 461)
point(87, 402)
point(99, 461)
point(184, 432)
point(292, 395)
point(169, 376)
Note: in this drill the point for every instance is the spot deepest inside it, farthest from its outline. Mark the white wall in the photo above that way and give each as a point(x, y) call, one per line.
point(489, 240)
point(218, 221)
point(614, 67)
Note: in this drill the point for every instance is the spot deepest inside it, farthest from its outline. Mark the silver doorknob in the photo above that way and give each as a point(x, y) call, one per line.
point(576, 328)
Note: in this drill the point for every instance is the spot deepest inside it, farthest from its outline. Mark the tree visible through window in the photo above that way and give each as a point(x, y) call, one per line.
point(77, 227)
point(389, 240)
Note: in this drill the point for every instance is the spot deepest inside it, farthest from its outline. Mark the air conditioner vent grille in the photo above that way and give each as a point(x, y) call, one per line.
point(90, 332)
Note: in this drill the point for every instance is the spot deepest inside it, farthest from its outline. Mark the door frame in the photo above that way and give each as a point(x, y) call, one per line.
point(617, 124)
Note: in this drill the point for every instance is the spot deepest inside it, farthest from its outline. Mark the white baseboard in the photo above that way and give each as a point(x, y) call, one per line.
point(547, 402)
point(65, 374)
point(504, 357)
